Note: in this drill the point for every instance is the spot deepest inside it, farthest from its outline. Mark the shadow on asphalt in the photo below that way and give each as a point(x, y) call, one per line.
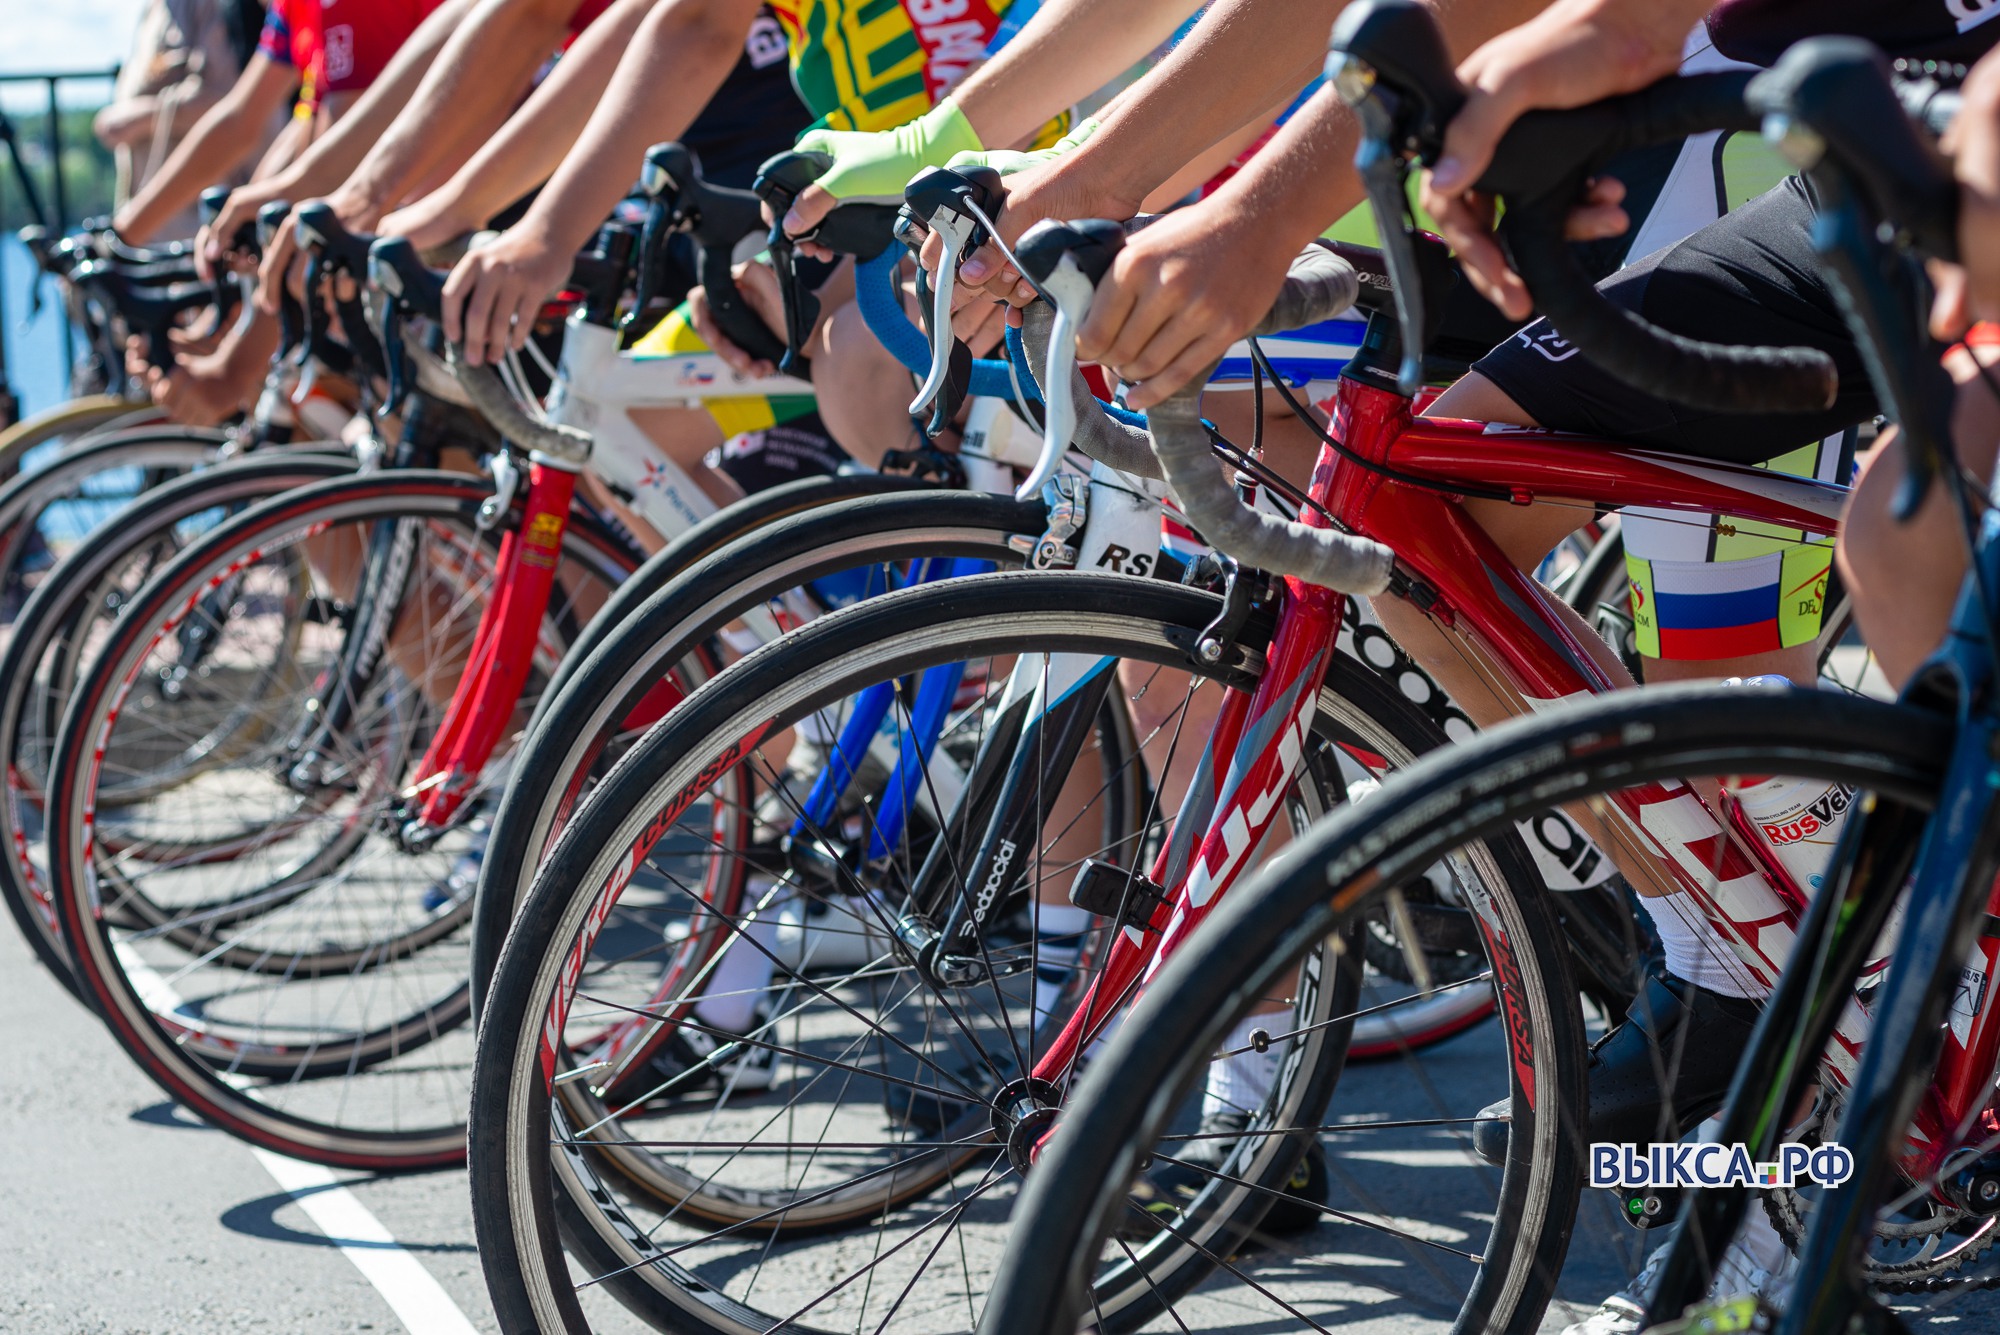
point(259, 1219)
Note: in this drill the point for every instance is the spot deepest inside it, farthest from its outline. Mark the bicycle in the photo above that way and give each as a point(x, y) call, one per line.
point(1832, 105)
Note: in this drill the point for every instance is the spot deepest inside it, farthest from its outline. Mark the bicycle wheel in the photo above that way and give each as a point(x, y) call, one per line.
point(47, 510)
point(730, 1225)
point(1499, 1233)
point(60, 629)
point(268, 944)
point(71, 421)
point(680, 599)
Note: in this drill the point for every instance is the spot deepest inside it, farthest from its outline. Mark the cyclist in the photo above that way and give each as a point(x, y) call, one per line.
point(330, 65)
point(1751, 275)
point(185, 56)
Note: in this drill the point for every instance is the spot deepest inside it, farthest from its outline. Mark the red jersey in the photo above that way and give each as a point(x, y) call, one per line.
point(338, 46)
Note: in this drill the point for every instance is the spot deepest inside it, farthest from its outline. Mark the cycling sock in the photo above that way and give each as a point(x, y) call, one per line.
point(741, 979)
point(1241, 1083)
point(1059, 933)
point(1696, 952)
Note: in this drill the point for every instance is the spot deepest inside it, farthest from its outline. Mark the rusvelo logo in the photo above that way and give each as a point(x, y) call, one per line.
point(1550, 344)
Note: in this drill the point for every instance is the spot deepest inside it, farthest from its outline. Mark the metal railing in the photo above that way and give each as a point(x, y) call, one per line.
point(54, 214)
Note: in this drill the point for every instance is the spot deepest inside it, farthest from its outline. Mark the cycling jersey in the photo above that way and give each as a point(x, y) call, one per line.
point(338, 46)
point(874, 64)
point(1758, 31)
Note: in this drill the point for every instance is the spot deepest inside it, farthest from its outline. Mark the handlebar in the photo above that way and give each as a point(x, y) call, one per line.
point(395, 269)
point(1387, 60)
point(1068, 260)
point(861, 230)
point(716, 218)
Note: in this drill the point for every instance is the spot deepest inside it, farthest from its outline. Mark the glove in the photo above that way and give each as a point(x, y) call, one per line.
point(875, 166)
point(1007, 161)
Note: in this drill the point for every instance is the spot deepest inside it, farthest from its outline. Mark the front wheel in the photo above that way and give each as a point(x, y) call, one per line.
point(1460, 1210)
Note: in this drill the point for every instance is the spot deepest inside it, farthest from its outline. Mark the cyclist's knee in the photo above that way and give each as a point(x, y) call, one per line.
point(863, 392)
point(1904, 576)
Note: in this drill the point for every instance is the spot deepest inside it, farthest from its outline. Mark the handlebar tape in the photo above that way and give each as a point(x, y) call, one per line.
point(878, 293)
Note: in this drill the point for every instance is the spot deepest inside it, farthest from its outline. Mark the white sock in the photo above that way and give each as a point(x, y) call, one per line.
point(1059, 937)
point(1696, 952)
point(1241, 1083)
point(741, 979)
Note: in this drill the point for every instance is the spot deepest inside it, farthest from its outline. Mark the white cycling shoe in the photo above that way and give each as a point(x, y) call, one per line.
point(819, 935)
point(1757, 1262)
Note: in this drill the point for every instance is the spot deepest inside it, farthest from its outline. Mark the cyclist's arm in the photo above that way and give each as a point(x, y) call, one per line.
point(532, 143)
point(681, 55)
point(1184, 289)
point(214, 149)
point(467, 92)
point(333, 155)
point(1071, 47)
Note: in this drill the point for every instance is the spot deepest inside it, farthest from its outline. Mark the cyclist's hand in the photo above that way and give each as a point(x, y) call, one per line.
point(496, 292)
point(1036, 189)
point(211, 244)
point(1970, 290)
point(274, 271)
point(1177, 295)
point(874, 167)
point(1574, 52)
point(759, 285)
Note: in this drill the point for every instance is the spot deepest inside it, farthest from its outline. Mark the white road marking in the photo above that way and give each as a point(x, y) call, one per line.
point(411, 1291)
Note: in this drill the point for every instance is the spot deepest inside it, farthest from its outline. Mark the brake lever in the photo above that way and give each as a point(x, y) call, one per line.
point(948, 203)
point(1066, 262)
point(1385, 176)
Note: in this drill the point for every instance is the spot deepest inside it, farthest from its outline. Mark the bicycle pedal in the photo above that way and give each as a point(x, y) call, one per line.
point(1647, 1207)
point(1121, 893)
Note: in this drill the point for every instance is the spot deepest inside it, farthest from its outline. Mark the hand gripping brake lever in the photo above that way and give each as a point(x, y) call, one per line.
point(227, 287)
point(957, 206)
point(779, 183)
point(1398, 39)
point(1066, 260)
point(291, 316)
point(857, 228)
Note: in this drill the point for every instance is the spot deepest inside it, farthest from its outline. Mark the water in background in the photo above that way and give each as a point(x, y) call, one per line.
point(35, 365)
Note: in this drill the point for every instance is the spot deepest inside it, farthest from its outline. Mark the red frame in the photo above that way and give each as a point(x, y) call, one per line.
point(1513, 621)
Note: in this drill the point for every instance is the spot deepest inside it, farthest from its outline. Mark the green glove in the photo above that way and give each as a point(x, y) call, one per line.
point(1007, 161)
point(875, 166)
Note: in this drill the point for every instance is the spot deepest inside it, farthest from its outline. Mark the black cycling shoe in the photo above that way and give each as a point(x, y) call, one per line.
point(1170, 1185)
point(1694, 1035)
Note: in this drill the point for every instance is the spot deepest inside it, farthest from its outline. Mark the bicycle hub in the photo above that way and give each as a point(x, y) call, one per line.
point(1023, 1110)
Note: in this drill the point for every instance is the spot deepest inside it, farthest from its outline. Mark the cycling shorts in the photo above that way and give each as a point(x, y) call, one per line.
point(1707, 587)
point(760, 460)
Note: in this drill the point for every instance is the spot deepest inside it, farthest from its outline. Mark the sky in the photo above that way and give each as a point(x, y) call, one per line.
point(64, 35)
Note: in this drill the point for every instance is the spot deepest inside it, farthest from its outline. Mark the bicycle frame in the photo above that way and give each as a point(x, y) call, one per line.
point(1457, 574)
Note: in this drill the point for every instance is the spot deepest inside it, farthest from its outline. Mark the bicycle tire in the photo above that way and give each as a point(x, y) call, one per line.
point(522, 1214)
point(206, 1076)
point(1467, 792)
point(685, 594)
point(72, 420)
point(56, 612)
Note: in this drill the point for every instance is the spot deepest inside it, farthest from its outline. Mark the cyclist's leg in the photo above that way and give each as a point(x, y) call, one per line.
point(1904, 576)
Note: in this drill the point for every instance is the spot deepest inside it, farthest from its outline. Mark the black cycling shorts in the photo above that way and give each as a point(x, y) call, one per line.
point(760, 460)
point(1749, 277)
